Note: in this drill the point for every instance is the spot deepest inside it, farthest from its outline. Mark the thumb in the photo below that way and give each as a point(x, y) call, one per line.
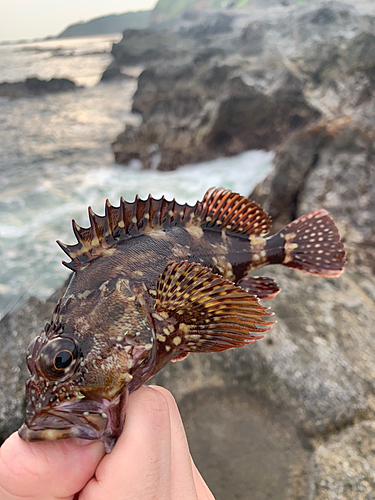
point(46, 470)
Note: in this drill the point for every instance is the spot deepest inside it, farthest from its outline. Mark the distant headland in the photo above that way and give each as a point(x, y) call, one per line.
point(106, 25)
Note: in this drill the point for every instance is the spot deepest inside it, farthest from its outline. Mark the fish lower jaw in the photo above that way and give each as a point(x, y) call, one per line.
point(83, 432)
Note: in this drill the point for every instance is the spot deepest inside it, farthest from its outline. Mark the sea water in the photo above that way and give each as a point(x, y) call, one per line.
point(56, 160)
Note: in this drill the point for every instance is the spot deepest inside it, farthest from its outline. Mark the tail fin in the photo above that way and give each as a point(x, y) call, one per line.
point(313, 246)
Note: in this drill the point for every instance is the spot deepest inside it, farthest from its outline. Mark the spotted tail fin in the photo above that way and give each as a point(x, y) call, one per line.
point(313, 246)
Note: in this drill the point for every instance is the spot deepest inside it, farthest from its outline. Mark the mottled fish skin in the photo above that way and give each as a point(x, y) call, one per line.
point(153, 281)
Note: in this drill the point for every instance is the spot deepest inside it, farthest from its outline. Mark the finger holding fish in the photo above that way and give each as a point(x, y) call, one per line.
point(46, 470)
point(151, 458)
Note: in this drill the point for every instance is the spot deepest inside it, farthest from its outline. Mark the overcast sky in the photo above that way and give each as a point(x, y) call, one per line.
point(40, 18)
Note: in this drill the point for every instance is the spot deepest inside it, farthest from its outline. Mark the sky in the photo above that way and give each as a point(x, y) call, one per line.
point(21, 19)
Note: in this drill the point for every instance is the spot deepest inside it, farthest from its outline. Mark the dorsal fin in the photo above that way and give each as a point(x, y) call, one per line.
point(123, 222)
point(220, 209)
point(223, 209)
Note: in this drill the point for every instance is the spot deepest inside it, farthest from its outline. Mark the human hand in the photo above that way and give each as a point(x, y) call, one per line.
point(150, 461)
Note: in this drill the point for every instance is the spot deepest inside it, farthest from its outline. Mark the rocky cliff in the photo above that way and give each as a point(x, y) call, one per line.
point(223, 82)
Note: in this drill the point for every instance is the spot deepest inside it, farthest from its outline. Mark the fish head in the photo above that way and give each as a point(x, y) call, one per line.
point(98, 346)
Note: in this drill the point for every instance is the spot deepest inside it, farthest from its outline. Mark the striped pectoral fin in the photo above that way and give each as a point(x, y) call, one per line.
point(313, 246)
point(263, 288)
point(210, 314)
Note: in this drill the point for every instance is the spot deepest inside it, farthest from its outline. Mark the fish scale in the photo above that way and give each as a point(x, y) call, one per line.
point(153, 281)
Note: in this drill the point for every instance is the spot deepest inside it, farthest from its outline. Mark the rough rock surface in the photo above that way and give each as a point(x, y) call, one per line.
point(344, 467)
point(331, 166)
point(35, 87)
point(266, 75)
point(183, 108)
point(144, 46)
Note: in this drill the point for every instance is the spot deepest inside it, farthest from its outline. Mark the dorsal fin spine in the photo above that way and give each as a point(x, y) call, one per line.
point(107, 220)
point(64, 248)
point(93, 229)
point(170, 212)
point(108, 232)
point(158, 219)
point(133, 225)
point(77, 231)
point(145, 223)
point(70, 265)
point(121, 217)
point(180, 215)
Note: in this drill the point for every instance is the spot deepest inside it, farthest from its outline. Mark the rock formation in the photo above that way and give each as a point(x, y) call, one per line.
point(114, 23)
point(35, 87)
point(113, 72)
point(246, 80)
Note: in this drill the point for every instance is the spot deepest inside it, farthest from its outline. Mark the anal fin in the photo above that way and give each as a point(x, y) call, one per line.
point(263, 288)
point(180, 357)
point(209, 313)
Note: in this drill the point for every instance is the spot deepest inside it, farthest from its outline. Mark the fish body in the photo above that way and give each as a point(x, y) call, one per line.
point(153, 281)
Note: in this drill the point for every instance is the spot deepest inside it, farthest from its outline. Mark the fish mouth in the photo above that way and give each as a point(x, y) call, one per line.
point(82, 419)
point(52, 425)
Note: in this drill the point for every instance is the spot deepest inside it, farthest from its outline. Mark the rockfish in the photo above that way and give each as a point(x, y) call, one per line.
point(152, 282)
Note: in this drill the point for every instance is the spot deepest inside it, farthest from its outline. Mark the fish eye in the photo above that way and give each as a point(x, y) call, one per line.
point(58, 357)
point(62, 360)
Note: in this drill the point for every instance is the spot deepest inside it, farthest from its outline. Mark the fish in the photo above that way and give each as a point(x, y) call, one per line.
point(152, 282)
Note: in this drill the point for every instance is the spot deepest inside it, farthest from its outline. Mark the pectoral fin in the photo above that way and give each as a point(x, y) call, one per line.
point(205, 313)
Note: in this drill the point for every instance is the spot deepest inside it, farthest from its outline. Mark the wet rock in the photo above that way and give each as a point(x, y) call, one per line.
point(215, 24)
point(344, 467)
point(36, 87)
